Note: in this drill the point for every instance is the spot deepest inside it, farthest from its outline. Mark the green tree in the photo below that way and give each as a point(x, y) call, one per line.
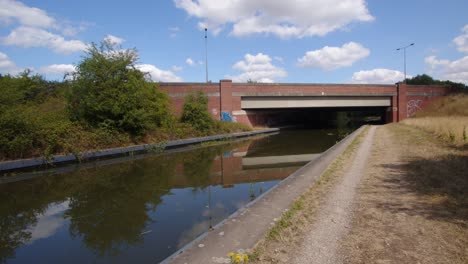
point(108, 91)
point(425, 79)
point(195, 112)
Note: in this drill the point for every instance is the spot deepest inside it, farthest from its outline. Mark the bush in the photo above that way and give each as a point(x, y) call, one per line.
point(195, 112)
point(109, 92)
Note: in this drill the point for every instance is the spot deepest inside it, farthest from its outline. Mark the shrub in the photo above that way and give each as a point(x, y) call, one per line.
point(109, 92)
point(195, 112)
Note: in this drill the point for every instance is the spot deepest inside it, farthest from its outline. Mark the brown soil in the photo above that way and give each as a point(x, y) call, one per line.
point(412, 205)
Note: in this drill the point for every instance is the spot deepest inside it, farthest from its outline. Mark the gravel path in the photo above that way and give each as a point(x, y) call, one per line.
point(333, 219)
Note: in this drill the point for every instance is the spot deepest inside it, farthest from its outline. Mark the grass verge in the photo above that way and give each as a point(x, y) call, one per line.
point(289, 229)
point(453, 129)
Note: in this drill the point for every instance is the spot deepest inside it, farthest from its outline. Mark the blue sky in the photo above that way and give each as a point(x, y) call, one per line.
point(333, 41)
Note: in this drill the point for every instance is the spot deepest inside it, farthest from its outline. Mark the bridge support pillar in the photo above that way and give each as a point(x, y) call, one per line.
point(225, 93)
point(402, 93)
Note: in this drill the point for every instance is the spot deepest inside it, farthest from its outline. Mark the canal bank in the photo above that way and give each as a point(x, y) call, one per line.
point(115, 152)
point(248, 225)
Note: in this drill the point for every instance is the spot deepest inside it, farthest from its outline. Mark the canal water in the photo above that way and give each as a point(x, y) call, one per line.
point(142, 209)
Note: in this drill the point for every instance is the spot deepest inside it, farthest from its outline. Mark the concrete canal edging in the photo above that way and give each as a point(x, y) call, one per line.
point(92, 155)
point(245, 227)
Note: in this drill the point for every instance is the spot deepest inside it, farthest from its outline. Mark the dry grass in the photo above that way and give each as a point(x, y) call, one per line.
point(290, 229)
point(447, 118)
point(453, 129)
point(453, 105)
point(413, 201)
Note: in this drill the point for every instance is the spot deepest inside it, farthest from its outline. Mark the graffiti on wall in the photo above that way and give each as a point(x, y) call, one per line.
point(412, 107)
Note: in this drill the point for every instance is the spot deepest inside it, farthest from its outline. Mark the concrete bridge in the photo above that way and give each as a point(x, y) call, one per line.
point(255, 104)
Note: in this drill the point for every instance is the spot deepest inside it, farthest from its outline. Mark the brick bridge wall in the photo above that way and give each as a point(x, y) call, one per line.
point(224, 98)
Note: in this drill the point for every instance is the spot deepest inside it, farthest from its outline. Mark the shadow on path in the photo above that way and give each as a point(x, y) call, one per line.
point(441, 185)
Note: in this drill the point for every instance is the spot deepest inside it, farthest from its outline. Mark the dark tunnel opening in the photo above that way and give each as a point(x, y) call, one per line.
point(332, 117)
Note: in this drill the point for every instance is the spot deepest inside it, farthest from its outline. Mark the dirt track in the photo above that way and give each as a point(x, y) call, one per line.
point(333, 219)
point(401, 197)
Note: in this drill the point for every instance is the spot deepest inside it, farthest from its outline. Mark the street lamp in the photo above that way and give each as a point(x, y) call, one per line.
point(206, 54)
point(404, 56)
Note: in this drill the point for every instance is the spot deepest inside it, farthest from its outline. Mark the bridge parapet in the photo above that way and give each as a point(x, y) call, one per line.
point(225, 97)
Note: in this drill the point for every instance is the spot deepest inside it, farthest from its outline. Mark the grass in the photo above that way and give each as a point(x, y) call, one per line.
point(452, 105)
point(446, 118)
point(434, 169)
point(290, 227)
point(453, 129)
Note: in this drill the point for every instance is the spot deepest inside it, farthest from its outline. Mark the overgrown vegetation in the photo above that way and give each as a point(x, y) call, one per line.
point(195, 112)
point(107, 91)
point(106, 103)
point(447, 118)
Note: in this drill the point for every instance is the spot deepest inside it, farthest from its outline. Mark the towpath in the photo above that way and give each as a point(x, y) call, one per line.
point(333, 220)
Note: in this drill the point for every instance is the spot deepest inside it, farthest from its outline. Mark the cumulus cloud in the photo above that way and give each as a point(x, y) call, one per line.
point(36, 27)
point(7, 66)
point(284, 19)
point(13, 11)
point(5, 62)
point(257, 68)
point(57, 69)
point(28, 37)
point(378, 76)
point(157, 74)
point(456, 70)
point(462, 41)
point(113, 39)
point(189, 61)
point(329, 58)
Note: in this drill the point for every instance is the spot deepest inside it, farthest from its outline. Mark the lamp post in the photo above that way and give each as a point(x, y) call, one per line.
point(206, 54)
point(404, 57)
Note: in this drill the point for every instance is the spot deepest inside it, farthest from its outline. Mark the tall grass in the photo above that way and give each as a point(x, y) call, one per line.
point(447, 118)
point(453, 129)
point(452, 105)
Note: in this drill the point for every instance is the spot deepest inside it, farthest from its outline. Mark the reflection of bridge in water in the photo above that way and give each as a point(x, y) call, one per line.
point(236, 168)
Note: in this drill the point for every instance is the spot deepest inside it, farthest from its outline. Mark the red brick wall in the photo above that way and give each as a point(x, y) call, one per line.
point(406, 99)
point(419, 97)
point(178, 91)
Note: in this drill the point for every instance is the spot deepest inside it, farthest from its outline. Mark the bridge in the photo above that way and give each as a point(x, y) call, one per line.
point(257, 104)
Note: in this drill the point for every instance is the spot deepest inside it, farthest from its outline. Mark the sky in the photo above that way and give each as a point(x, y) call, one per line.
point(294, 41)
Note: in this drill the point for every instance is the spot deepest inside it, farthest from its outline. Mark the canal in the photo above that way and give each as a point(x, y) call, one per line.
point(142, 209)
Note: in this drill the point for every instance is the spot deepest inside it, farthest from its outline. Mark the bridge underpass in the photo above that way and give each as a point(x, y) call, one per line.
point(314, 111)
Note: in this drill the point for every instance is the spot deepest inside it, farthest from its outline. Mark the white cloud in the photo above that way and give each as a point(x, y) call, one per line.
point(13, 11)
point(294, 18)
point(257, 68)
point(433, 62)
point(35, 37)
point(189, 61)
point(5, 62)
point(113, 39)
point(7, 66)
point(329, 58)
point(57, 69)
point(456, 71)
point(378, 76)
point(462, 41)
point(158, 75)
point(176, 68)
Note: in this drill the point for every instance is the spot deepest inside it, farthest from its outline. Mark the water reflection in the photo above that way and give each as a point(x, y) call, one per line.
point(140, 210)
